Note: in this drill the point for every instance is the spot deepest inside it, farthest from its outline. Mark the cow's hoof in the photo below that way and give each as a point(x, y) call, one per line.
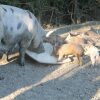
point(92, 66)
point(21, 63)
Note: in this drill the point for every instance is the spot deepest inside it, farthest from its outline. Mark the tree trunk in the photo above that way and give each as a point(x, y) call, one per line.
point(77, 16)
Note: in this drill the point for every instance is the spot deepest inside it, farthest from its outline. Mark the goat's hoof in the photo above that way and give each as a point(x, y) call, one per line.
point(81, 64)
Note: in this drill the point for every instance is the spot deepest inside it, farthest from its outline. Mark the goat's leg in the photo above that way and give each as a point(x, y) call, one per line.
point(60, 57)
point(79, 60)
point(93, 60)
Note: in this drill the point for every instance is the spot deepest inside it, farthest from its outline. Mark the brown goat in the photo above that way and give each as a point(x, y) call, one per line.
point(70, 49)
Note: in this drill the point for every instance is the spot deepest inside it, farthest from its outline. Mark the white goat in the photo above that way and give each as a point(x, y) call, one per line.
point(93, 52)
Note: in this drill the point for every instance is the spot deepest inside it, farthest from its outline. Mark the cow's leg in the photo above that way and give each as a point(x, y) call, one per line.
point(22, 49)
point(39, 49)
point(22, 56)
point(10, 50)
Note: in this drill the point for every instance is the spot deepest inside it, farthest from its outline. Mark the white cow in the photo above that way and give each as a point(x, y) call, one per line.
point(18, 26)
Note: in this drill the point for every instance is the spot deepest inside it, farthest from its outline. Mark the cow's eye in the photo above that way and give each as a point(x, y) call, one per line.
point(3, 41)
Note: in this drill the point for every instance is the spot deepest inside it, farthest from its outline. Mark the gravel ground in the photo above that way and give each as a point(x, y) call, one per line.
point(37, 81)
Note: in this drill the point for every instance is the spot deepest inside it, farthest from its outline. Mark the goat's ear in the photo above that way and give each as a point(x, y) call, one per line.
point(97, 46)
point(82, 34)
point(73, 33)
point(90, 43)
point(69, 33)
point(84, 45)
